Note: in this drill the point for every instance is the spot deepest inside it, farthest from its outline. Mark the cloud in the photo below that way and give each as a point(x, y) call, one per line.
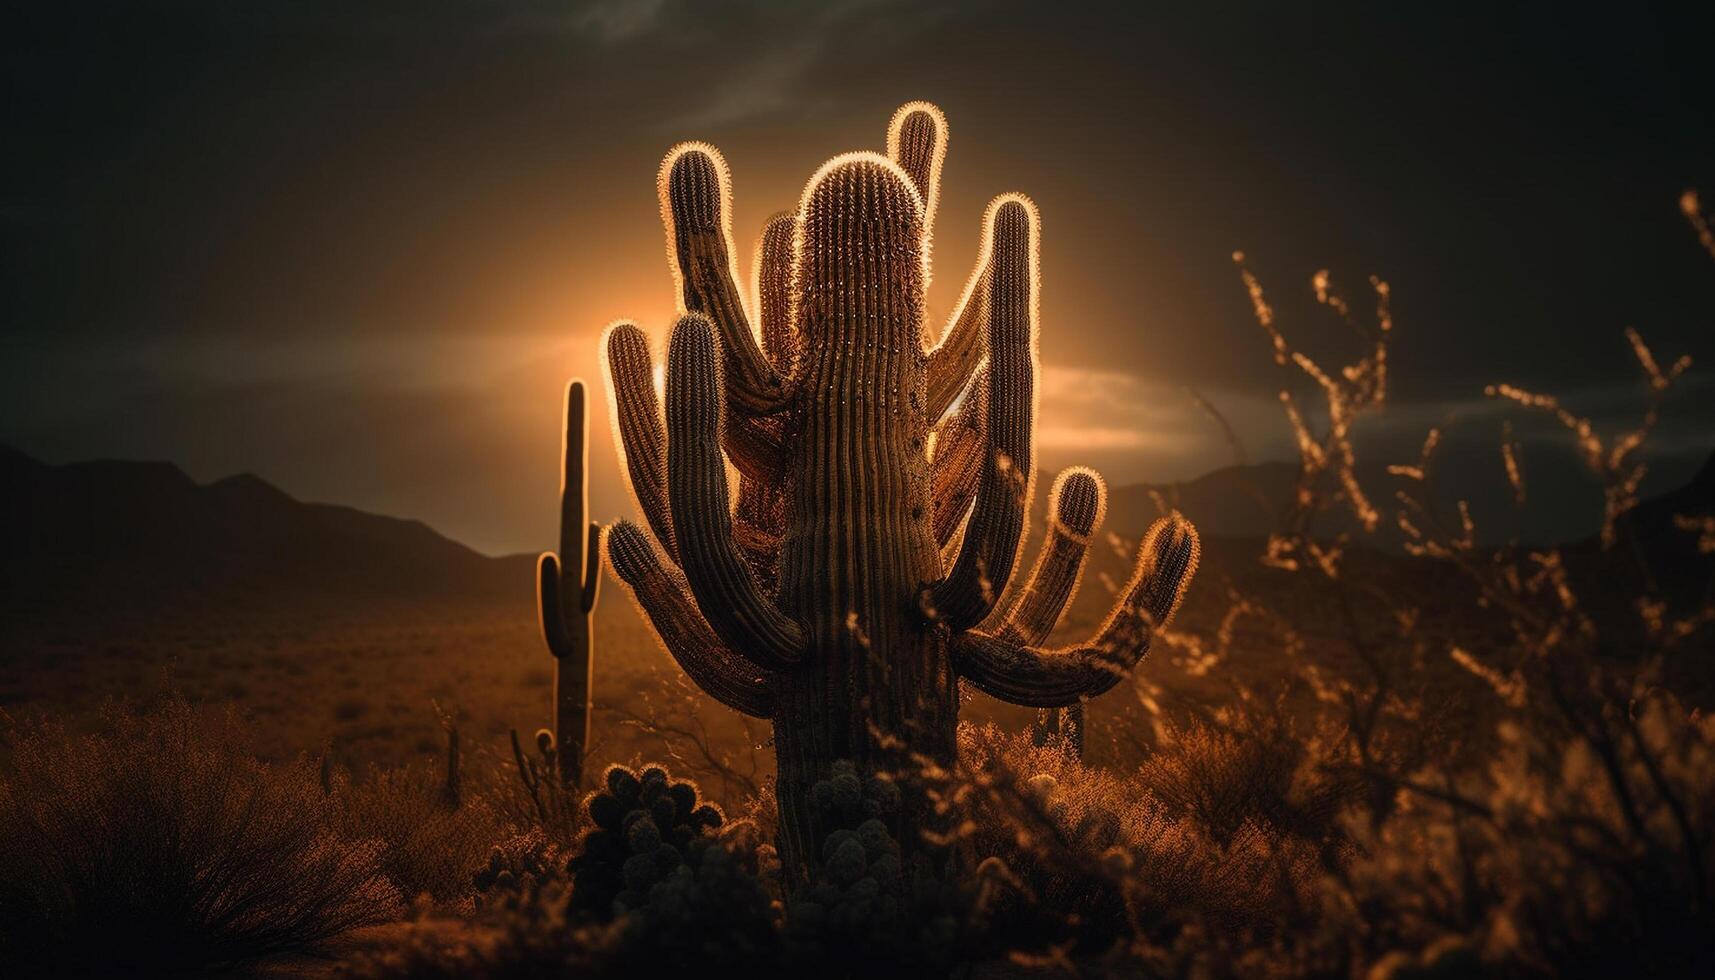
point(775, 77)
point(619, 20)
point(1099, 438)
point(1134, 428)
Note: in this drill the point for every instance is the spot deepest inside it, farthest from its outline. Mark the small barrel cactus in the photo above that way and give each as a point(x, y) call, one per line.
point(681, 885)
point(644, 827)
point(861, 879)
point(845, 800)
point(858, 893)
point(870, 907)
point(711, 913)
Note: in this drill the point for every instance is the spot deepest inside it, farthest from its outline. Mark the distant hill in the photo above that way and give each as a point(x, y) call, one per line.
point(109, 536)
point(1652, 553)
point(1233, 501)
point(1564, 504)
point(134, 536)
point(1241, 502)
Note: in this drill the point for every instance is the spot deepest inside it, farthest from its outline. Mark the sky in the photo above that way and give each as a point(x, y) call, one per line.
point(358, 248)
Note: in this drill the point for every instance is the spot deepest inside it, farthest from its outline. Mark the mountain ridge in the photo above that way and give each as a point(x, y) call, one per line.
point(144, 534)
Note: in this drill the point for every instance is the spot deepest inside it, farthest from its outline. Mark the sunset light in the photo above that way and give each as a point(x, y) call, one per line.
point(613, 489)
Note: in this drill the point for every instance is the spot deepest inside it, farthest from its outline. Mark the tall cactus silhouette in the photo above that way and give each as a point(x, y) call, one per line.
point(884, 482)
point(567, 605)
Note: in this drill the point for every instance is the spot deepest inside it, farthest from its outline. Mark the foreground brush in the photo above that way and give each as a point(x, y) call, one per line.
point(883, 482)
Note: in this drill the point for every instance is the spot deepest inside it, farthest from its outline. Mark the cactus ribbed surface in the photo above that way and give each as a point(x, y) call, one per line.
point(567, 604)
point(837, 596)
point(1075, 508)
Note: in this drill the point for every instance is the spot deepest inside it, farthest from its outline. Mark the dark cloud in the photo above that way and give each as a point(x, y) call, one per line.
point(256, 220)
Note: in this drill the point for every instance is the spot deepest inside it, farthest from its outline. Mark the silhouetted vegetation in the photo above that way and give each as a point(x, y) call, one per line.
point(158, 846)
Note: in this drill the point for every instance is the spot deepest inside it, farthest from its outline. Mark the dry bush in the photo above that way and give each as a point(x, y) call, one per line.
point(721, 750)
point(530, 939)
point(1250, 766)
point(430, 844)
point(1078, 861)
point(1569, 857)
point(524, 793)
point(1569, 833)
point(158, 845)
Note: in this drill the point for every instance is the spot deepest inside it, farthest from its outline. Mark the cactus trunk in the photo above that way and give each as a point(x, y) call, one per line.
point(574, 674)
point(858, 546)
point(567, 604)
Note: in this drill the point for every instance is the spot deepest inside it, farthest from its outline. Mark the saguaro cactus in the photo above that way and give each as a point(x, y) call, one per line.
point(567, 605)
point(838, 598)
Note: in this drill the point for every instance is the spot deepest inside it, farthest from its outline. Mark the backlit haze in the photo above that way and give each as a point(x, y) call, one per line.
point(358, 253)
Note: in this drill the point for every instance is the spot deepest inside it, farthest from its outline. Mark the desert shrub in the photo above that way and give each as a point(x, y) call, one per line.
point(1076, 860)
point(430, 845)
point(521, 864)
point(524, 793)
point(526, 936)
point(159, 845)
point(1249, 766)
point(1569, 856)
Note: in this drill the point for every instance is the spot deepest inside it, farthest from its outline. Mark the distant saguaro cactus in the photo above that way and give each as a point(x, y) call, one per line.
point(567, 605)
point(837, 598)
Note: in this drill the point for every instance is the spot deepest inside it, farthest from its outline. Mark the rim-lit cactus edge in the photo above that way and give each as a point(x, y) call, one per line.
point(884, 483)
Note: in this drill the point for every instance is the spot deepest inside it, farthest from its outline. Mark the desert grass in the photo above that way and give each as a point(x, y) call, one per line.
point(160, 846)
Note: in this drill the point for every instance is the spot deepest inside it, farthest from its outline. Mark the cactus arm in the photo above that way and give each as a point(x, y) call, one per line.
point(957, 464)
point(592, 569)
point(696, 207)
point(773, 303)
point(637, 418)
point(725, 588)
point(550, 614)
point(917, 141)
point(954, 361)
point(917, 137)
point(1075, 507)
point(574, 495)
point(1030, 675)
point(664, 597)
point(759, 516)
point(756, 448)
point(980, 573)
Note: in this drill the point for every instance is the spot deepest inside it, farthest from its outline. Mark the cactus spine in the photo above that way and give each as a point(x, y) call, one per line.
point(567, 604)
point(838, 598)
